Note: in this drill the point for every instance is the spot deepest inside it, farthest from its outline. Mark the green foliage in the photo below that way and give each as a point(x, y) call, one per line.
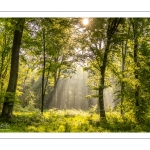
point(28, 108)
point(67, 43)
point(10, 97)
point(94, 109)
point(73, 121)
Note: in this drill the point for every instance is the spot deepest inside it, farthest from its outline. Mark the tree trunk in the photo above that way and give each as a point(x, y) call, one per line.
point(11, 90)
point(137, 88)
point(102, 83)
point(55, 92)
point(136, 73)
point(43, 73)
point(122, 82)
point(113, 24)
point(135, 34)
point(68, 98)
point(124, 50)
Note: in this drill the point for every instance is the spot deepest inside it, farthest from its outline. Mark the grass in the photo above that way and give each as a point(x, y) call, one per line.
point(72, 121)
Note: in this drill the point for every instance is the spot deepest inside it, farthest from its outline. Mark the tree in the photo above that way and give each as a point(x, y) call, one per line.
point(128, 63)
point(10, 93)
point(139, 31)
point(113, 24)
point(47, 46)
point(99, 36)
point(43, 72)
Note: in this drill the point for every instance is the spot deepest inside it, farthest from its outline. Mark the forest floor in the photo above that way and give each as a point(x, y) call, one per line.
point(72, 121)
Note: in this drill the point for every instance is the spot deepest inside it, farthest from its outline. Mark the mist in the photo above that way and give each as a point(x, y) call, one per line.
point(72, 93)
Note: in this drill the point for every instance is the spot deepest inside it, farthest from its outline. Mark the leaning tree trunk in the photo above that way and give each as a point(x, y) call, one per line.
point(11, 89)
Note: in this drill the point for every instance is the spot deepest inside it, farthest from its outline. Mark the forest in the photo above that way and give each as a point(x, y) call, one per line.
point(74, 74)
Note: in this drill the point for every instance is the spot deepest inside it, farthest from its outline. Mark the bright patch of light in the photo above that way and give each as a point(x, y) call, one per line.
point(85, 21)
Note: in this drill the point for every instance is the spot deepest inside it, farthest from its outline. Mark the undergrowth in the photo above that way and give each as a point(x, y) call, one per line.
point(72, 121)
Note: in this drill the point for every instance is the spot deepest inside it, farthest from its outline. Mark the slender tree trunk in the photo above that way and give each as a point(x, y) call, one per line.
point(63, 97)
point(74, 98)
point(68, 98)
point(43, 73)
point(122, 82)
point(135, 32)
point(56, 98)
point(137, 88)
point(59, 94)
point(55, 91)
point(11, 90)
point(136, 72)
point(124, 49)
point(90, 99)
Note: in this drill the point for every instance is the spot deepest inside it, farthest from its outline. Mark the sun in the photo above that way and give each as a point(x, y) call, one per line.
point(85, 21)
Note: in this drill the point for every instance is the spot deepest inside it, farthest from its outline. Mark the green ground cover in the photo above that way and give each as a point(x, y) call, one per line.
point(72, 121)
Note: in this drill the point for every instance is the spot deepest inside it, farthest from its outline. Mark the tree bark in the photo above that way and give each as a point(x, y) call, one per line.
point(11, 90)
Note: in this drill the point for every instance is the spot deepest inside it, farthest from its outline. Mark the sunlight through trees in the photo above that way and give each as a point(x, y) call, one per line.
point(95, 65)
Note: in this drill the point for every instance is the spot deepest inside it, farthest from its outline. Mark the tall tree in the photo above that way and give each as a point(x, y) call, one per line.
point(135, 49)
point(100, 38)
point(124, 44)
point(10, 93)
point(113, 24)
point(43, 72)
point(140, 29)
